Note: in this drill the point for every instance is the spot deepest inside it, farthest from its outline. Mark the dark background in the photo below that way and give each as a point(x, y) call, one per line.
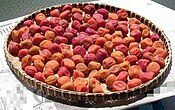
point(15, 8)
point(10, 9)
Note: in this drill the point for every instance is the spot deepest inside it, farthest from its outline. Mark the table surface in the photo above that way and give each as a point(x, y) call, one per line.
point(18, 10)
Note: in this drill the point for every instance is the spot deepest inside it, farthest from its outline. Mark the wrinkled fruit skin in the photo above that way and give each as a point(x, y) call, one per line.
point(63, 71)
point(119, 86)
point(101, 55)
point(134, 71)
point(88, 49)
point(54, 65)
point(51, 80)
point(14, 48)
point(30, 70)
point(26, 61)
point(134, 83)
point(40, 76)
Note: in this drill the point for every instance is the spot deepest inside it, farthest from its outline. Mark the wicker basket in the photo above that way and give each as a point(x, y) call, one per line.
point(91, 99)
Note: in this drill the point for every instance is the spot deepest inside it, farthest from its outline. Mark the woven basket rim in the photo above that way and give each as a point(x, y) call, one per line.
point(140, 88)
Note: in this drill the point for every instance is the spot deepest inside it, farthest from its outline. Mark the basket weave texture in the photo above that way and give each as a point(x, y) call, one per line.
point(91, 99)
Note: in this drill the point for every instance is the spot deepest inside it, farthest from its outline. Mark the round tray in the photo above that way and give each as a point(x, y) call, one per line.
point(91, 99)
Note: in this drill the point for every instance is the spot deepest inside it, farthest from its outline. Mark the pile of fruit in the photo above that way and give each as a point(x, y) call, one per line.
point(83, 50)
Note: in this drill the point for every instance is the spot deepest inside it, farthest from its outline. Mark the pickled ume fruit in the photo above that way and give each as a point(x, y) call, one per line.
point(82, 49)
